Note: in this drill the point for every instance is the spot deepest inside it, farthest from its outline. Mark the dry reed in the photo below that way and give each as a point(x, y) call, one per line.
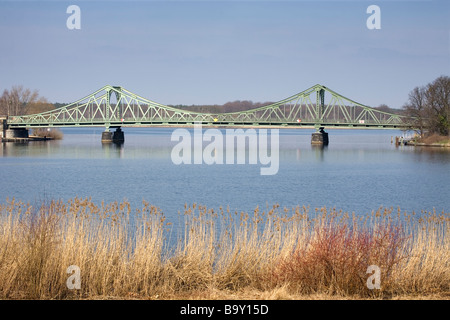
point(127, 254)
point(54, 134)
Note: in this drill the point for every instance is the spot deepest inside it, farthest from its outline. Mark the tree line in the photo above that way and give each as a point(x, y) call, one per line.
point(231, 106)
point(21, 101)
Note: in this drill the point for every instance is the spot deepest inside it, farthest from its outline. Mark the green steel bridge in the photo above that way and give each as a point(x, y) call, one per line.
point(115, 107)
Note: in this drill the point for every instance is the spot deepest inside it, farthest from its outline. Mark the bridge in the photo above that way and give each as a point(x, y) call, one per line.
point(115, 107)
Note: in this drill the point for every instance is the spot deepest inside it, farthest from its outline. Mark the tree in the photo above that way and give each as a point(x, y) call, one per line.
point(416, 108)
point(17, 100)
point(41, 105)
point(385, 108)
point(430, 107)
point(438, 99)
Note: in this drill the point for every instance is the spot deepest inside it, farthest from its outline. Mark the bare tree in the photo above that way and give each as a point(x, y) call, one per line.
point(17, 100)
point(416, 108)
point(438, 101)
point(430, 107)
point(383, 107)
point(41, 105)
point(3, 103)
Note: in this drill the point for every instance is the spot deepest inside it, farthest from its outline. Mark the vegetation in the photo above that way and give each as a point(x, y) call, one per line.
point(21, 101)
point(430, 106)
point(232, 106)
point(434, 140)
point(386, 108)
point(54, 134)
point(275, 253)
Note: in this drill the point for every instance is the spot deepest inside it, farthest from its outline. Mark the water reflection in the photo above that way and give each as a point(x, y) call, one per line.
point(319, 150)
point(113, 149)
point(432, 154)
point(29, 148)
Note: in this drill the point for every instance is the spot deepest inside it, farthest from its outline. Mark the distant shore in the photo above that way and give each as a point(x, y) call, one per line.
point(422, 144)
point(432, 141)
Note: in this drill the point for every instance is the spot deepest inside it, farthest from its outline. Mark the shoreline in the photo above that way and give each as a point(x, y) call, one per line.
point(29, 139)
point(423, 144)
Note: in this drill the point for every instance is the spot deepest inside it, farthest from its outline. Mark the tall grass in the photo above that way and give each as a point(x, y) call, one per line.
point(126, 253)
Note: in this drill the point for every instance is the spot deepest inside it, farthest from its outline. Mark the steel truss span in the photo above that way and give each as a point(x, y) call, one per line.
point(114, 106)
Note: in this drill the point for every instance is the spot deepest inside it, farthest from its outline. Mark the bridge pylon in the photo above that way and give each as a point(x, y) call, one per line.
point(320, 137)
point(320, 103)
point(112, 114)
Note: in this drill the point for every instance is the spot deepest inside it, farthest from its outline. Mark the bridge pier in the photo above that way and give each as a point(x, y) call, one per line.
point(17, 134)
point(115, 137)
point(320, 137)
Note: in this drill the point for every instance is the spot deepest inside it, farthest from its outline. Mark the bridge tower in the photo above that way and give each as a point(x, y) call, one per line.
point(113, 113)
point(320, 137)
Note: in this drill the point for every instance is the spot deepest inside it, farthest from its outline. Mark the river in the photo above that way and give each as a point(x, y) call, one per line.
point(359, 171)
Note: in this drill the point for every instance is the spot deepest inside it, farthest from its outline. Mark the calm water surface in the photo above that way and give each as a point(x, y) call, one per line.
point(358, 172)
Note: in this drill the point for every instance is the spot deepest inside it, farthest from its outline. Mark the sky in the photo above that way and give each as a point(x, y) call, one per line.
point(212, 52)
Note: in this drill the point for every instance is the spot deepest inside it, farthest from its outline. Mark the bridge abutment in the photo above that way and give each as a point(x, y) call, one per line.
point(17, 134)
point(3, 127)
point(117, 136)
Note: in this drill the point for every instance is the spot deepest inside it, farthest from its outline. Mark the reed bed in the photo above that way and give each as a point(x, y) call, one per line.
point(273, 252)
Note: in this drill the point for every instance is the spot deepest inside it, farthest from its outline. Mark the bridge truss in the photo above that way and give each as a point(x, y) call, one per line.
point(315, 107)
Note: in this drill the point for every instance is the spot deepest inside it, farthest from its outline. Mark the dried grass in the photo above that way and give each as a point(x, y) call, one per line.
point(46, 133)
point(271, 254)
point(435, 138)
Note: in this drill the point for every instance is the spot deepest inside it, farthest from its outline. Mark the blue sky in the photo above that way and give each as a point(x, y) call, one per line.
point(211, 52)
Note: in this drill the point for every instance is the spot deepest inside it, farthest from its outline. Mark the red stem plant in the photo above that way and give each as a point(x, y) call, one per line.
point(335, 255)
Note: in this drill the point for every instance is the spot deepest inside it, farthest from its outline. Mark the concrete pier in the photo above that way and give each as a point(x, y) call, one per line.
point(119, 136)
point(107, 136)
point(113, 137)
point(14, 135)
point(320, 137)
point(21, 133)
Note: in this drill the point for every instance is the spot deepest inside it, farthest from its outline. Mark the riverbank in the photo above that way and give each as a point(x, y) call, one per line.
point(422, 144)
point(432, 141)
point(298, 253)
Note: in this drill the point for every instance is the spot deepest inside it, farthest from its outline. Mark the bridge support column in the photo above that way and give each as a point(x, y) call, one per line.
point(320, 137)
point(115, 137)
point(3, 127)
point(16, 134)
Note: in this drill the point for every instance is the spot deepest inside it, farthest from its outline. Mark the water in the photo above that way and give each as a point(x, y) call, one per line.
point(358, 172)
